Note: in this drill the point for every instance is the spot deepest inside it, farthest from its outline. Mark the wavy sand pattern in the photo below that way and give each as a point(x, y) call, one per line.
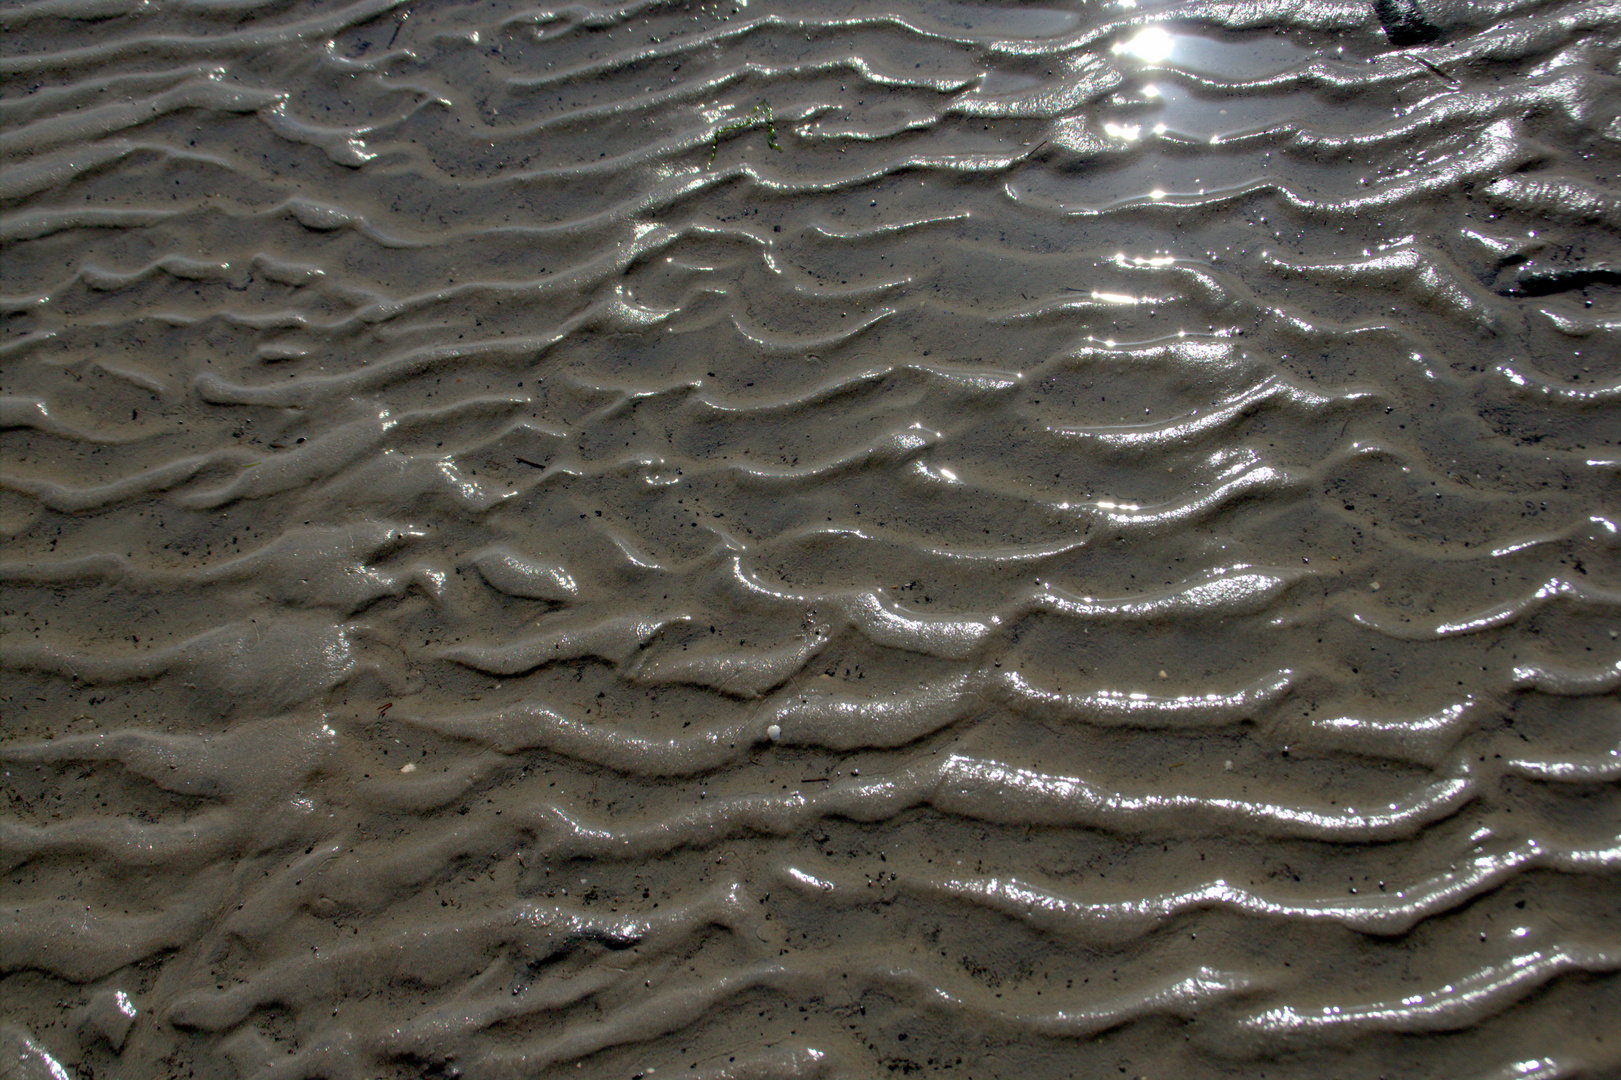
point(1075, 540)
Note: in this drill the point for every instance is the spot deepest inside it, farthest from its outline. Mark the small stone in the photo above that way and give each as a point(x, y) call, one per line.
point(1374, 586)
point(1162, 674)
point(1228, 765)
point(774, 732)
point(409, 767)
point(110, 1014)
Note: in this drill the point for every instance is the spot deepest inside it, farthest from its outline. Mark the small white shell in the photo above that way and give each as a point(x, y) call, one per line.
point(774, 732)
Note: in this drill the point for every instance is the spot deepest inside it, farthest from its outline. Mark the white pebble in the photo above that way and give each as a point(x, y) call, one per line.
point(409, 766)
point(1374, 586)
point(1229, 766)
point(774, 732)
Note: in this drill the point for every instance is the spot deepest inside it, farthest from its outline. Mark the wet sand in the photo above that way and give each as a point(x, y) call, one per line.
point(810, 540)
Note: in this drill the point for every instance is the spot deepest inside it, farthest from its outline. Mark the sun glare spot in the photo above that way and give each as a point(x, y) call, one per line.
point(1150, 45)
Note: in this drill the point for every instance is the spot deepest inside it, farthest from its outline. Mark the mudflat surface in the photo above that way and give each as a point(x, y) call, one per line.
point(810, 539)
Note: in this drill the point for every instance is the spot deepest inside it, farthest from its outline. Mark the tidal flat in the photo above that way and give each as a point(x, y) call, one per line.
point(793, 538)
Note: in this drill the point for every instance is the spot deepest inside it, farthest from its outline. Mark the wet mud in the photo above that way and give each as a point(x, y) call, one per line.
point(808, 539)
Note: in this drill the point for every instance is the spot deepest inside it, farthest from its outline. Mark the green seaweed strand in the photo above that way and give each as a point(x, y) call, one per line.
point(760, 111)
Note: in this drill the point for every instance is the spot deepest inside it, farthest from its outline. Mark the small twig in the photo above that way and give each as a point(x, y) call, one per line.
point(1432, 67)
point(531, 464)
